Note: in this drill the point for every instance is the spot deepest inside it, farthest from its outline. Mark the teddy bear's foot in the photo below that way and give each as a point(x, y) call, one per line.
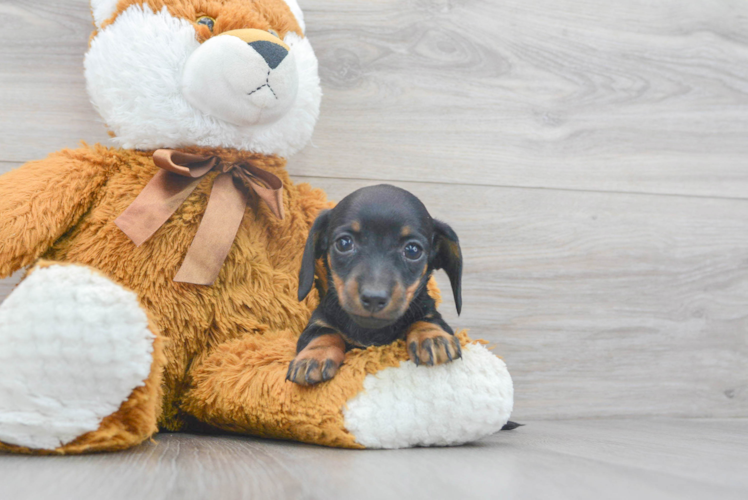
point(378, 398)
point(444, 405)
point(79, 364)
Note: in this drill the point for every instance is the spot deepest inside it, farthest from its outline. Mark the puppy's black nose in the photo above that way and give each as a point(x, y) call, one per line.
point(374, 300)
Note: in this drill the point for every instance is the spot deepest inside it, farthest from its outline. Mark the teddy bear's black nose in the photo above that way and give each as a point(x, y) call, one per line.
point(271, 52)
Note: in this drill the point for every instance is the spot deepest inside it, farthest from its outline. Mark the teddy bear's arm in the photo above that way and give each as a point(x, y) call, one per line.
point(42, 199)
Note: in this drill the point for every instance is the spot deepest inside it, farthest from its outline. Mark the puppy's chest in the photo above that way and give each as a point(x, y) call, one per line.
point(357, 337)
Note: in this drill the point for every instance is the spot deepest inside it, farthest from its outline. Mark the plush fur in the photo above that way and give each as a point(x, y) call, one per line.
point(102, 10)
point(134, 420)
point(440, 412)
point(64, 368)
point(166, 118)
point(254, 294)
point(219, 353)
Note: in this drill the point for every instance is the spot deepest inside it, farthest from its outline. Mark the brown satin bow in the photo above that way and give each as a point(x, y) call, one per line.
point(179, 175)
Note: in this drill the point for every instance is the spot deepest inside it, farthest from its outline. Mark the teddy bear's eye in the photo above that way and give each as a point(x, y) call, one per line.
point(274, 33)
point(206, 21)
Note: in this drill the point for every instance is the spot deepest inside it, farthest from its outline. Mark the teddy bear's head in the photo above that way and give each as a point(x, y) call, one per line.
point(216, 73)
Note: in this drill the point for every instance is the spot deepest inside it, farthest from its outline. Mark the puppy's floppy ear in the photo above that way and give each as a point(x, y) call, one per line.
point(312, 251)
point(448, 256)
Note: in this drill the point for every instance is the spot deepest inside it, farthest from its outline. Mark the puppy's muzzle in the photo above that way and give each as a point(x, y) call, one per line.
point(373, 304)
point(374, 300)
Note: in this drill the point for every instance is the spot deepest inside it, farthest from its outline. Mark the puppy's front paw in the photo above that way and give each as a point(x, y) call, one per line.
point(429, 345)
point(310, 371)
point(317, 362)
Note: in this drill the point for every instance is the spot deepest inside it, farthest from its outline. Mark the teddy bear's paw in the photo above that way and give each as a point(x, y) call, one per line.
point(444, 405)
point(73, 346)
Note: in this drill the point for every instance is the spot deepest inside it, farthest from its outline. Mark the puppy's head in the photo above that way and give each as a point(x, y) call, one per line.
point(381, 245)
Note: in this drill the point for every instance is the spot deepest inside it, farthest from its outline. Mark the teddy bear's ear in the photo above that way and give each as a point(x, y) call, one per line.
point(297, 13)
point(103, 10)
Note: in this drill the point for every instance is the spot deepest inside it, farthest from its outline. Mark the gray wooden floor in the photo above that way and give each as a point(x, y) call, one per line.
point(593, 158)
point(586, 459)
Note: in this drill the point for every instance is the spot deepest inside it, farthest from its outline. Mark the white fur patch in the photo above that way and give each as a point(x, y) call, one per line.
point(137, 90)
point(449, 404)
point(102, 10)
point(74, 347)
point(240, 88)
point(297, 13)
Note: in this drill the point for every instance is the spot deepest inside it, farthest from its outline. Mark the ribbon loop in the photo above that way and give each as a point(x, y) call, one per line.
point(267, 186)
point(185, 164)
point(179, 176)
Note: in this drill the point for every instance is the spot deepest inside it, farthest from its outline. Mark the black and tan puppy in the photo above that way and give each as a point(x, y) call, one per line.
point(380, 247)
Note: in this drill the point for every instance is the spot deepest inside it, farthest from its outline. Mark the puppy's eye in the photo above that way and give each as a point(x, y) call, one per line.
point(413, 251)
point(274, 33)
point(206, 21)
point(344, 244)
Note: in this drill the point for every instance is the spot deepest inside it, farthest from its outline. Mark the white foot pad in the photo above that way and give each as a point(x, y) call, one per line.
point(73, 347)
point(449, 404)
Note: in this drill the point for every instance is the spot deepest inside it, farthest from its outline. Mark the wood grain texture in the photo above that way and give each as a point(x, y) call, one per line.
point(629, 96)
point(43, 100)
point(662, 459)
point(7, 285)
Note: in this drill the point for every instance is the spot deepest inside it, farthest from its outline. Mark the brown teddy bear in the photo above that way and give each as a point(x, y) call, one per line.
point(164, 272)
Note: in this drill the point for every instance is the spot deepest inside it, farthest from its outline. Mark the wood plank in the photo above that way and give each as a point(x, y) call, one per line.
point(44, 100)
point(570, 94)
point(7, 285)
point(584, 459)
point(602, 304)
point(625, 96)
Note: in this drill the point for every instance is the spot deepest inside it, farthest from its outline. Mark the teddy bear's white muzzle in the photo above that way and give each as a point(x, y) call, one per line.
point(241, 81)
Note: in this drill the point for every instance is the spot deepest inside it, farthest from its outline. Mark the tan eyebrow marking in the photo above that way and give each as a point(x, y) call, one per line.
point(405, 231)
point(356, 226)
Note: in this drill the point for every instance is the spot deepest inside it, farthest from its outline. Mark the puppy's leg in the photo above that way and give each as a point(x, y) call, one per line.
point(431, 343)
point(320, 352)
